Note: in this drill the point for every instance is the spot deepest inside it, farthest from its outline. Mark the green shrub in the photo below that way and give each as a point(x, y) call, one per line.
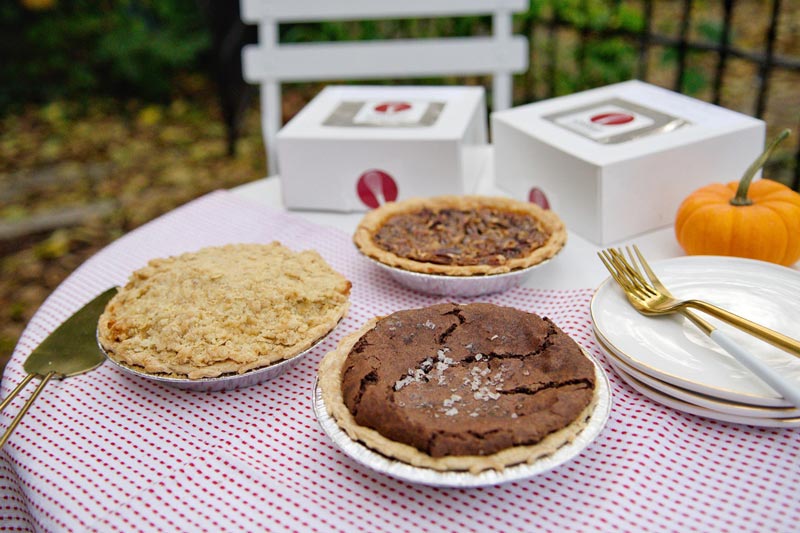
point(116, 47)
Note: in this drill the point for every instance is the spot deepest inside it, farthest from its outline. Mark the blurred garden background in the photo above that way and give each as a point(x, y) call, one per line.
point(113, 112)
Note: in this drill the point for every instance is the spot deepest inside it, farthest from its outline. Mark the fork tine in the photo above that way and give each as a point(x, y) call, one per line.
point(621, 273)
point(616, 273)
point(650, 274)
point(633, 262)
point(635, 266)
point(636, 279)
point(611, 269)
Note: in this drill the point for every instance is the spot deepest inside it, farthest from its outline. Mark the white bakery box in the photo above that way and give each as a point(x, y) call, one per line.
point(354, 147)
point(617, 161)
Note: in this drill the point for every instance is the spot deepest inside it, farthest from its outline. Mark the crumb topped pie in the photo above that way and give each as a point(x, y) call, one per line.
point(460, 387)
point(460, 235)
point(223, 310)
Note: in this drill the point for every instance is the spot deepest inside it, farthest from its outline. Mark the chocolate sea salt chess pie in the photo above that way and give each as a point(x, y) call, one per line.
point(460, 235)
point(456, 388)
point(222, 310)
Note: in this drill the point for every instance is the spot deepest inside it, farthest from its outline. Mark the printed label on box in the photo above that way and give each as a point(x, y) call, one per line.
point(615, 121)
point(385, 113)
point(375, 187)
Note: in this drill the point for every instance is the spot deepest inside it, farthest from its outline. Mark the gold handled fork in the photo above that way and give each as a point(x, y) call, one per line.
point(704, 325)
point(650, 297)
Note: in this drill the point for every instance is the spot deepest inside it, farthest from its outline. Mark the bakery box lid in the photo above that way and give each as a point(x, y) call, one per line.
point(623, 121)
point(377, 112)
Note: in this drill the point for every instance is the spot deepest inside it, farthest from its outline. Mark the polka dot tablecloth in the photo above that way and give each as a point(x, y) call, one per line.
point(107, 452)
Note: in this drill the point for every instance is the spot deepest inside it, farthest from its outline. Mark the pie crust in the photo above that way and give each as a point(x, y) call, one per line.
point(330, 381)
point(223, 310)
point(510, 254)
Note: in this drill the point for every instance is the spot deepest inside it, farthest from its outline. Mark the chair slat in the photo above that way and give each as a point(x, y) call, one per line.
point(319, 10)
point(410, 58)
point(271, 62)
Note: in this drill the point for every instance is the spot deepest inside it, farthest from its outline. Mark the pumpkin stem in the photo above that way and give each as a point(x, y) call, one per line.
point(744, 184)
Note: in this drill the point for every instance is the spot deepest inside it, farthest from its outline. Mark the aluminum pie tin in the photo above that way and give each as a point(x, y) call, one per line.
point(220, 383)
point(428, 476)
point(441, 284)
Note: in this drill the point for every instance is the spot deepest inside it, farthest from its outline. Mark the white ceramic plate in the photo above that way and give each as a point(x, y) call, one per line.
point(427, 476)
point(671, 349)
point(680, 405)
point(700, 400)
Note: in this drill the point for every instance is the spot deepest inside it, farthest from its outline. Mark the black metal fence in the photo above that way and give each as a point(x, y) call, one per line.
point(690, 46)
point(551, 27)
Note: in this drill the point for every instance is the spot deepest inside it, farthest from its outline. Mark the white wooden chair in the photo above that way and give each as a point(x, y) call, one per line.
point(269, 63)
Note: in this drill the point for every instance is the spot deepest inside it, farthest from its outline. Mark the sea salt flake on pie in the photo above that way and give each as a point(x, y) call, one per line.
point(423, 398)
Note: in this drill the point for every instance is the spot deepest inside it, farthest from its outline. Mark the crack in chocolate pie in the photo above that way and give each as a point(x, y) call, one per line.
point(460, 387)
point(223, 310)
point(460, 235)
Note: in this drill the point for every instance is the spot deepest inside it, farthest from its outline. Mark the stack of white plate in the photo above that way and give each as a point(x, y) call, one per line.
point(671, 361)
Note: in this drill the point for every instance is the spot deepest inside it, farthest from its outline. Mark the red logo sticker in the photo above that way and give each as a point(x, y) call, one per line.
point(392, 107)
point(612, 119)
point(375, 188)
point(537, 196)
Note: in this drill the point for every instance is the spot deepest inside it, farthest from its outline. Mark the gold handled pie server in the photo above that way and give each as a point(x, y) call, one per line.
point(70, 350)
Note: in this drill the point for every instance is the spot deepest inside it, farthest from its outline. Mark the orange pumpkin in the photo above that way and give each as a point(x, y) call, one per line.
point(759, 220)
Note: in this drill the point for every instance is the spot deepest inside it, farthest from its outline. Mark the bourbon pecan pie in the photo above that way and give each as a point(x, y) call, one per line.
point(223, 310)
point(460, 387)
point(460, 235)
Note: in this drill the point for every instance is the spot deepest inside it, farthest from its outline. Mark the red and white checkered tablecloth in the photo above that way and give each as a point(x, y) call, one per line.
point(106, 452)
